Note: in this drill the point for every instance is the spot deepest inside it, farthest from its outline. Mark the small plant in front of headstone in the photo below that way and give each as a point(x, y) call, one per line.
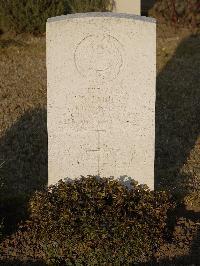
point(92, 221)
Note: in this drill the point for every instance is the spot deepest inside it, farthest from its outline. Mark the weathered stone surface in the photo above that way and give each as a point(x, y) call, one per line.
point(128, 6)
point(101, 70)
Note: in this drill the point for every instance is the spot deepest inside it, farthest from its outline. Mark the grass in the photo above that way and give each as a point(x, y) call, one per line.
point(177, 110)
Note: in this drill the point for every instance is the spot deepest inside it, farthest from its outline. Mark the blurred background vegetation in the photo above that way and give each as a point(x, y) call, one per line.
point(21, 16)
point(31, 15)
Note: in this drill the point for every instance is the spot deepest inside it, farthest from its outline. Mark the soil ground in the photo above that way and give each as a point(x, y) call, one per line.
point(23, 132)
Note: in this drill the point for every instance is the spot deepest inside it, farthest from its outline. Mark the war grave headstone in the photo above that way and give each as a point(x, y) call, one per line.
point(128, 6)
point(101, 75)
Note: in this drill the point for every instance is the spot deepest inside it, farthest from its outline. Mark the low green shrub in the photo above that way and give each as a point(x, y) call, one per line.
point(91, 221)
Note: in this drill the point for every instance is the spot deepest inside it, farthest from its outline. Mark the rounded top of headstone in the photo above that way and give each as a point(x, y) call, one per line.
point(101, 15)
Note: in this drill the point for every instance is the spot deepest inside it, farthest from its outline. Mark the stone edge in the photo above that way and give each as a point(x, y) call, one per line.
point(101, 14)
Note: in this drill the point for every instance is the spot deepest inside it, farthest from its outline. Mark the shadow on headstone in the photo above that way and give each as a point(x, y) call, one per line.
point(23, 154)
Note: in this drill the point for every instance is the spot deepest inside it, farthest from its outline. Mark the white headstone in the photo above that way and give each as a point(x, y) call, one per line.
point(128, 6)
point(101, 73)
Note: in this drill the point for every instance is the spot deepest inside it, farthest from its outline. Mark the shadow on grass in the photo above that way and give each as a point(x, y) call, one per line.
point(177, 130)
point(177, 113)
point(193, 257)
point(10, 42)
point(23, 154)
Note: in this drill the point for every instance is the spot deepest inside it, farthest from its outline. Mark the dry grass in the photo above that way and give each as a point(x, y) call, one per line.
point(178, 111)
